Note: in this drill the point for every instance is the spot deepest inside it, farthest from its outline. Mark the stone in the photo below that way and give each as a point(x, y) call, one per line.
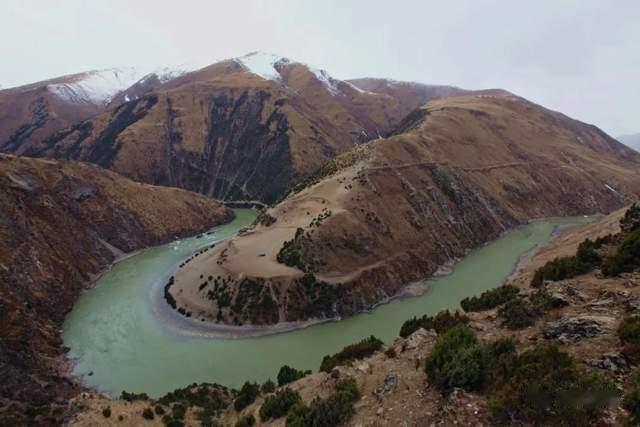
point(576, 328)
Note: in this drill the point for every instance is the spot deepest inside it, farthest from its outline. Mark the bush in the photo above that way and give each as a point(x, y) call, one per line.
point(291, 252)
point(626, 258)
point(585, 260)
point(544, 386)
point(246, 421)
point(629, 330)
point(441, 322)
point(106, 412)
point(147, 414)
point(178, 411)
point(247, 395)
point(335, 410)
point(130, 397)
point(457, 360)
point(490, 299)
point(352, 352)
point(159, 410)
point(288, 374)
point(277, 405)
point(268, 387)
point(522, 312)
point(631, 401)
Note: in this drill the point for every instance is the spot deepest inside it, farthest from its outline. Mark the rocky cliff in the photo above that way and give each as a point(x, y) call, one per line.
point(61, 223)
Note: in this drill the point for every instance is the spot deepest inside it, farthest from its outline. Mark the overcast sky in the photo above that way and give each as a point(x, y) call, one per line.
point(581, 57)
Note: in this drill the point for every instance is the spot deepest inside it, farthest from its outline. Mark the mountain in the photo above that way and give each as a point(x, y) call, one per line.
point(30, 113)
point(457, 173)
point(61, 224)
point(245, 128)
point(632, 141)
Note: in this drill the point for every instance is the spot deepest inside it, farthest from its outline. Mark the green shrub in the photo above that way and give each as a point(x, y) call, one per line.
point(159, 410)
point(147, 414)
point(268, 387)
point(246, 421)
point(352, 352)
point(247, 395)
point(631, 401)
point(490, 299)
point(441, 322)
point(291, 253)
point(288, 374)
point(544, 386)
point(585, 260)
point(522, 312)
point(457, 360)
point(178, 411)
point(106, 412)
point(629, 330)
point(626, 258)
point(335, 410)
point(130, 397)
point(277, 405)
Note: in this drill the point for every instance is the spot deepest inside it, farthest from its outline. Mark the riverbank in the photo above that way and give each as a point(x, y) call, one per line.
point(181, 325)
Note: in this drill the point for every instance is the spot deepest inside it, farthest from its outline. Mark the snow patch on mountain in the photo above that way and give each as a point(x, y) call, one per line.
point(97, 87)
point(262, 64)
point(327, 80)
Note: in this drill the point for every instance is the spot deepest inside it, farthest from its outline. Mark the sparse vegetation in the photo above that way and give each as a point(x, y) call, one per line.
point(631, 400)
point(106, 412)
point(277, 405)
point(544, 386)
point(352, 352)
point(441, 322)
point(336, 410)
point(247, 395)
point(490, 299)
point(585, 260)
point(246, 421)
point(288, 374)
point(521, 312)
point(147, 414)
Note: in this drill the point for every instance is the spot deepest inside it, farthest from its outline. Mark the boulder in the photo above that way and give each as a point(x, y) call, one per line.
point(576, 328)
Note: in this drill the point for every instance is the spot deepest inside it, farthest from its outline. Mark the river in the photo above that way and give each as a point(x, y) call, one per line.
point(118, 343)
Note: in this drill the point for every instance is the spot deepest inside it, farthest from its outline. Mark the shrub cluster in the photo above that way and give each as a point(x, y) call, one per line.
point(352, 352)
point(277, 405)
point(130, 397)
point(457, 360)
point(490, 299)
point(629, 334)
point(335, 410)
point(631, 400)
point(268, 387)
point(544, 386)
point(441, 322)
point(288, 374)
point(626, 258)
point(585, 260)
point(521, 312)
point(291, 252)
point(541, 386)
point(212, 398)
point(247, 395)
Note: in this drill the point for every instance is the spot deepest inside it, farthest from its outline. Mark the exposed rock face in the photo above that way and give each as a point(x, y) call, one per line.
point(227, 132)
point(60, 224)
point(459, 173)
point(577, 328)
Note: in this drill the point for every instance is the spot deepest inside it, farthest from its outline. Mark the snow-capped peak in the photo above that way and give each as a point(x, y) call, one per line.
point(262, 64)
point(97, 87)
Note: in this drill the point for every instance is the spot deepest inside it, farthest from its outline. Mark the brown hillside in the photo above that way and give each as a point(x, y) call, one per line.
point(464, 170)
point(226, 132)
point(60, 224)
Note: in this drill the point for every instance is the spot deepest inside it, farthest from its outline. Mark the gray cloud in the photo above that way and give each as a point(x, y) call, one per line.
point(581, 57)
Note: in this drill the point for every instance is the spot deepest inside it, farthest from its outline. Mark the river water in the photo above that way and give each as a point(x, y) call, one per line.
point(118, 343)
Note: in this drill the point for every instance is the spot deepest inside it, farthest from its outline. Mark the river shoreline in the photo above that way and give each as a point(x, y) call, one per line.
point(180, 325)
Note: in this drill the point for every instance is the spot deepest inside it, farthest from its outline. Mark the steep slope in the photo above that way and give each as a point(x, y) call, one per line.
point(245, 128)
point(30, 113)
point(60, 224)
point(460, 172)
point(632, 141)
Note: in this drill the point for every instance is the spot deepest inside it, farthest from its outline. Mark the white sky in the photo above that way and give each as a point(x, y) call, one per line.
point(581, 57)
